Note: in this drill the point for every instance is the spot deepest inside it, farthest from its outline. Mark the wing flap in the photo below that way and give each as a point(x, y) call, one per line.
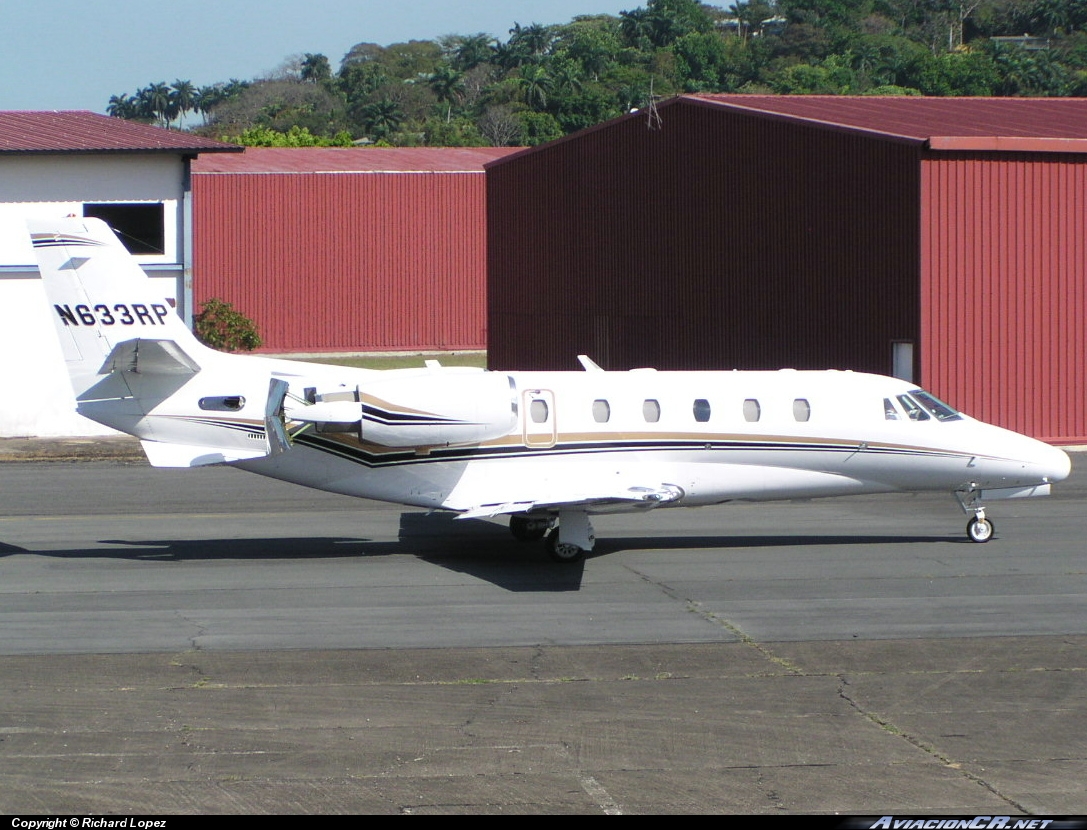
point(630, 498)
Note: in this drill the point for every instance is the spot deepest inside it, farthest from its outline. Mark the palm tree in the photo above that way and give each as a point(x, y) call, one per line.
point(473, 50)
point(158, 101)
point(535, 84)
point(448, 84)
point(381, 117)
point(183, 98)
point(121, 106)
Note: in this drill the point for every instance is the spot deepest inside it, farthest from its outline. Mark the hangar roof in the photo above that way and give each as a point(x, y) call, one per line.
point(354, 160)
point(992, 124)
point(80, 131)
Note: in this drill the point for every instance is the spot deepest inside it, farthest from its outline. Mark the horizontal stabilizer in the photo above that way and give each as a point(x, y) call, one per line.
point(183, 455)
point(149, 357)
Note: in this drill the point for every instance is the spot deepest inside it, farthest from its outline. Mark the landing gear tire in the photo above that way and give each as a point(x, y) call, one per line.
point(979, 530)
point(562, 551)
point(528, 528)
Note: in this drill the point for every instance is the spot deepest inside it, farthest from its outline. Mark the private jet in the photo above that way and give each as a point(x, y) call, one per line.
point(546, 449)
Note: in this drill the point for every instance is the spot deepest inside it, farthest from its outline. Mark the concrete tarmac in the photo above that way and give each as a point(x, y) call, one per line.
point(209, 642)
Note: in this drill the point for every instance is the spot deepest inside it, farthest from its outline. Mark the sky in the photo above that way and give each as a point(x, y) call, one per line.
point(76, 54)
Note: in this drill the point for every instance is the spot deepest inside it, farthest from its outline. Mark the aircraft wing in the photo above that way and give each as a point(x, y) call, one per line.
point(603, 500)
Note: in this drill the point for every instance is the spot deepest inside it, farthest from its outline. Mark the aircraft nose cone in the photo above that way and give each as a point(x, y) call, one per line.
point(1055, 463)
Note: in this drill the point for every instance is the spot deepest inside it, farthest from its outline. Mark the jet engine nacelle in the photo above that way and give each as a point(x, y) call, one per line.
point(419, 410)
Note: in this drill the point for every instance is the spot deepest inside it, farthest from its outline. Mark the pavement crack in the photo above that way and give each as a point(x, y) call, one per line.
point(696, 608)
point(888, 726)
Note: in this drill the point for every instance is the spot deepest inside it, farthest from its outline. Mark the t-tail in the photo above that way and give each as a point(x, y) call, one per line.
point(128, 353)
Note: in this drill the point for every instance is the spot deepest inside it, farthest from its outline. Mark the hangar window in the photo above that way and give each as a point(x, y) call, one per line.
point(601, 411)
point(701, 410)
point(651, 410)
point(752, 410)
point(801, 409)
point(141, 226)
point(538, 411)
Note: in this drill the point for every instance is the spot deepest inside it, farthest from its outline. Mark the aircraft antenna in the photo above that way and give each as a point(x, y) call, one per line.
point(652, 117)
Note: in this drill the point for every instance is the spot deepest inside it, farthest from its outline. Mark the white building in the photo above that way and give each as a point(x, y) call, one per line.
point(55, 164)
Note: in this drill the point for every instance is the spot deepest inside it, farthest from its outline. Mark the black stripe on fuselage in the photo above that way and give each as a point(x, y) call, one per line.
point(409, 456)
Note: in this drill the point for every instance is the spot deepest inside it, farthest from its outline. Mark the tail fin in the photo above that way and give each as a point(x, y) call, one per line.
point(102, 299)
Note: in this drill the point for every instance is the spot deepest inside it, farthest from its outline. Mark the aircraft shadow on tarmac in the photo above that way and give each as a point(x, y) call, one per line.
point(480, 548)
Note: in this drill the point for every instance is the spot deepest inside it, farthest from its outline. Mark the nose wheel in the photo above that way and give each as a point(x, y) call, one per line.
point(979, 529)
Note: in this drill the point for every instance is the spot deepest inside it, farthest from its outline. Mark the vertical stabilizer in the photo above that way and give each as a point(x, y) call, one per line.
point(100, 297)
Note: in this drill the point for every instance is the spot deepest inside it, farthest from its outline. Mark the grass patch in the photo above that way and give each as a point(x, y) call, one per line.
point(402, 361)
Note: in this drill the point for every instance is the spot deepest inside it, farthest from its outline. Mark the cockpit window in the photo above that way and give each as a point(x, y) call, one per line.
point(912, 409)
point(889, 411)
point(940, 410)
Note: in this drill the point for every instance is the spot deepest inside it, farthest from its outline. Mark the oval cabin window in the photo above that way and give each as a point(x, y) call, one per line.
point(538, 411)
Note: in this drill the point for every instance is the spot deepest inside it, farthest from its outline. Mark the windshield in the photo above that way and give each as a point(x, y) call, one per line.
point(939, 410)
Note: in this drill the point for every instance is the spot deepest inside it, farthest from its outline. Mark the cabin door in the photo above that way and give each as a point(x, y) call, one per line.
point(538, 418)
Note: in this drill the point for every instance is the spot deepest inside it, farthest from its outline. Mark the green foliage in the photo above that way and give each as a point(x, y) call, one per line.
point(221, 326)
point(294, 137)
point(538, 127)
point(547, 80)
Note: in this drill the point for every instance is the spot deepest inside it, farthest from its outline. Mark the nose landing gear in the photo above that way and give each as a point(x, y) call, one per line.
point(978, 529)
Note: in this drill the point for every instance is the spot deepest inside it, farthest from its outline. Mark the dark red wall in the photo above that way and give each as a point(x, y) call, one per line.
point(711, 241)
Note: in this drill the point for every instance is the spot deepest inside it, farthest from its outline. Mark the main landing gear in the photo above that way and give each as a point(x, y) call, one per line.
point(567, 542)
point(978, 529)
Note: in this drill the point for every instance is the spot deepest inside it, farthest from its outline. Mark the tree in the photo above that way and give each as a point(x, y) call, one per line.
point(221, 326)
point(662, 22)
point(466, 52)
point(316, 68)
point(535, 85)
point(448, 84)
point(381, 118)
point(499, 126)
point(183, 98)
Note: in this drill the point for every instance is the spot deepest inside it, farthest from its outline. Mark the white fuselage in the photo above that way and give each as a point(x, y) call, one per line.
point(716, 436)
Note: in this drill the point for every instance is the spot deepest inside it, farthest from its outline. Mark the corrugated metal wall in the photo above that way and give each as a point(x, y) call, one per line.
point(714, 241)
point(1004, 276)
point(346, 262)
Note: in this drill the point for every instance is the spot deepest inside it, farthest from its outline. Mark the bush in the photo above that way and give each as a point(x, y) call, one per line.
point(223, 327)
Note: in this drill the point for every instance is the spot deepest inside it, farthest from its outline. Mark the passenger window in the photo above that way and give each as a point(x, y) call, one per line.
point(601, 411)
point(801, 409)
point(889, 411)
point(538, 411)
point(651, 411)
point(913, 411)
point(752, 410)
point(701, 410)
